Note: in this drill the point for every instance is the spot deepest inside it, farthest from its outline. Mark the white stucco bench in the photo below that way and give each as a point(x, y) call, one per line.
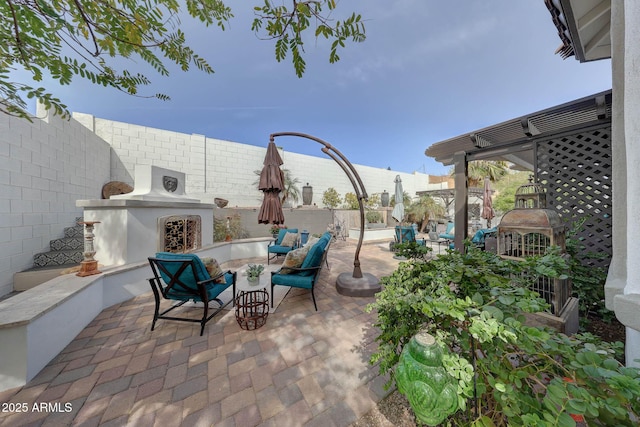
point(38, 323)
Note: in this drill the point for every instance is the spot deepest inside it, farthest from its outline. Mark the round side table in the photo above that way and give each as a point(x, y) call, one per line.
point(252, 299)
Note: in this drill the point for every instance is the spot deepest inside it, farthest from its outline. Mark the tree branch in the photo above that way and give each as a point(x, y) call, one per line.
point(16, 30)
point(86, 21)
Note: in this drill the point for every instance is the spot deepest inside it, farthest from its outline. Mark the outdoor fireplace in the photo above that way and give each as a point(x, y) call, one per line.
point(157, 216)
point(180, 233)
point(529, 230)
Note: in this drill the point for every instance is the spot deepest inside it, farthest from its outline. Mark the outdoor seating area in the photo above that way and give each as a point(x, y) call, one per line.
point(182, 278)
point(304, 365)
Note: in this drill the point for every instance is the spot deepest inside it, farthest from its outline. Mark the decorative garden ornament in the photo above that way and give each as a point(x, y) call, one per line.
point(420, 376)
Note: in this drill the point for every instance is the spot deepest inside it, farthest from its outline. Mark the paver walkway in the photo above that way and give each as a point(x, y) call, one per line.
point(303, 368)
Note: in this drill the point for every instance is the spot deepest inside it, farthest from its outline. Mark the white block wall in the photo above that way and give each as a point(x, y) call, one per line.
point(45, 166)
point(228, 171)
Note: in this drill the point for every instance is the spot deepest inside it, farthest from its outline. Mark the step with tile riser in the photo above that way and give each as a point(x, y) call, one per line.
point(57, 258)
point(67, 243)
point(75, 231)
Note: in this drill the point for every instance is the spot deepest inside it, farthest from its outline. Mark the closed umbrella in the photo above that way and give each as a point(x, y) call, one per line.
point(487, 204)
point(398, 209)
point(271, 183)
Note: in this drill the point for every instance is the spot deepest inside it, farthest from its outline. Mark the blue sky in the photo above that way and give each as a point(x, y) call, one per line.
point(428, 71)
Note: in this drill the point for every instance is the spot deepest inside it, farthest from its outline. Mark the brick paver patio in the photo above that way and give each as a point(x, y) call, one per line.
point(303, 368)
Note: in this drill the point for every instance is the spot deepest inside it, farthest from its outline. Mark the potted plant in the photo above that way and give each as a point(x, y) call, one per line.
point(254, 271)
point(275, 229)
point(374, 219)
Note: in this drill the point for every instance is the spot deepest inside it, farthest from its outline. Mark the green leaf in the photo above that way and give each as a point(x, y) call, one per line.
point(576, 406)
point(483, 421)
point(477, 298)
point(565, 420)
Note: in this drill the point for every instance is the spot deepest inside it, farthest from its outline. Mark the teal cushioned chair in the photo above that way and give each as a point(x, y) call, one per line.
point(306, 275)
point(448, 234)
point(406, 234)
point(481, 235)
point(183, 277)
point(275, 247)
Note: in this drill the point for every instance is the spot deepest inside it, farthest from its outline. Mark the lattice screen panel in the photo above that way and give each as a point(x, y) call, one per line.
point(474, 210)
point(576, 173)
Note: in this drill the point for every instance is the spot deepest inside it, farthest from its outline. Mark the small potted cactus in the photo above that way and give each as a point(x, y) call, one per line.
point(253, 272)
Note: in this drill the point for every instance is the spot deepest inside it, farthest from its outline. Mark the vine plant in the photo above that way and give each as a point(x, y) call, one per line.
point(509, 373)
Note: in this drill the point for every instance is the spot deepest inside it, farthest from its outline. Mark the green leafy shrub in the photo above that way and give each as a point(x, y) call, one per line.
point(351, 201)
point(373, 216)
point(236, 231)
point(373, 201)
point(331, 198)
point(508, 373)
point(587, 281)
point(412, 250)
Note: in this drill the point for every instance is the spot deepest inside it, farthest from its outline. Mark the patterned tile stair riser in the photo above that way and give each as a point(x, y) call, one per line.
point(63, 251)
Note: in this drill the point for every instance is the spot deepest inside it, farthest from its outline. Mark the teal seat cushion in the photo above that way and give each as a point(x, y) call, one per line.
point(407, 233)
point(294, 280)
point(201, 270)
point(313, 258)
point(325, 239)
point(278, 249)
point(189, 279)
point(480, 235)
point(449, 232)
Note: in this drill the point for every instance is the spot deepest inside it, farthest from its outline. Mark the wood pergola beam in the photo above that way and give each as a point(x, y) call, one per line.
point(461, 218)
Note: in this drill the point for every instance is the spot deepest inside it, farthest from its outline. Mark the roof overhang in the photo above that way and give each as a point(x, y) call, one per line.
point(514, 140)
point(584, 27)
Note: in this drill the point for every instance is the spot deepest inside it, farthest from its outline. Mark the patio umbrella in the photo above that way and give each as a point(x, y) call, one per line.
point(271, 183)
point(398, 209)
point(487, 204)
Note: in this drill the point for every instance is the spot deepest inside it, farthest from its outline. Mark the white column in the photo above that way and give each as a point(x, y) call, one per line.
point(617, 276)
point(623, 283)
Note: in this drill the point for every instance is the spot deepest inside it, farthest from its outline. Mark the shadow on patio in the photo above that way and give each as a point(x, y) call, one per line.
point(302, 368)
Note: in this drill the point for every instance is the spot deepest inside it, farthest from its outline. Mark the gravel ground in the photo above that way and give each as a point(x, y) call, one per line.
point(392, 411)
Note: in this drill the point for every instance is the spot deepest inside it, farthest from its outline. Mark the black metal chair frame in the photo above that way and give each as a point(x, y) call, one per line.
point(177, 288)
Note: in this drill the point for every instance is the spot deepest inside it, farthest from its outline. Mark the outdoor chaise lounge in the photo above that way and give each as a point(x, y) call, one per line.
point(183, 278)
point(306, 275)
point(280, 246)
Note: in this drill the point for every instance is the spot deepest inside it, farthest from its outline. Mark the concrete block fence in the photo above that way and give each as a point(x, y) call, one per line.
point(45, 166)
point(225, 169)
point(48, 164)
